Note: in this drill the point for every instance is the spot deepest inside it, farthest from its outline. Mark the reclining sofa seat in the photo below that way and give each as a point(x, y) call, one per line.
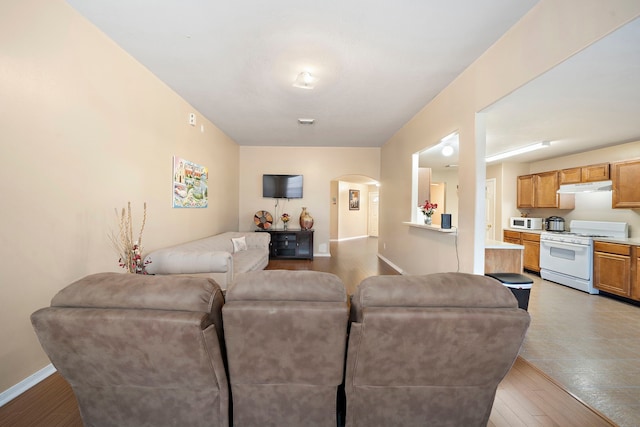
point(429, 350)
point(286, 334)
point(140, 350)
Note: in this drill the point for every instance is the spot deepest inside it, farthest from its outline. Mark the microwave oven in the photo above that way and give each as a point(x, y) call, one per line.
point(526, 223)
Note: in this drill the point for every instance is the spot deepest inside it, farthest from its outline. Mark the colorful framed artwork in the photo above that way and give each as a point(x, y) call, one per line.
point(354, 200)
point(190, 188)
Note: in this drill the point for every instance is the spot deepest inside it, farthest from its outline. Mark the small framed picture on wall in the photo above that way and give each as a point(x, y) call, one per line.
point(354, 200)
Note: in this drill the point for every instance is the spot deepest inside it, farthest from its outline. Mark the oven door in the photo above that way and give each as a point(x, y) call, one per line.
point(566, 258)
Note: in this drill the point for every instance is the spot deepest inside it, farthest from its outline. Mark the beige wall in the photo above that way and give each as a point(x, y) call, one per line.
point(353, 223)
point(319, 165)
point(84, 129)
point(550, 33)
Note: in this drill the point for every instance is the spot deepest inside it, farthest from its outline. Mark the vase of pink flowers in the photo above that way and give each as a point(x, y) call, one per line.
point(428, 209)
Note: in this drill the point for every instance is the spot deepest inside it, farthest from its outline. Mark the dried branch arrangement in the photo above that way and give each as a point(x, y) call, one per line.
point(129, 250)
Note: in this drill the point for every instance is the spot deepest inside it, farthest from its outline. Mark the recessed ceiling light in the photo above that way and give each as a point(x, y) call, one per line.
point(305, 81)
point(306, 121)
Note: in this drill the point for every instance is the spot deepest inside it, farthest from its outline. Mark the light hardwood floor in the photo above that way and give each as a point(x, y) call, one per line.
point(526, 397)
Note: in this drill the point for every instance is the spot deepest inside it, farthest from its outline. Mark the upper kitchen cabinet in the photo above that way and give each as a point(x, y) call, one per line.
point(540, 191)
point(526, 191)
point(626, 191)
point(591, 173)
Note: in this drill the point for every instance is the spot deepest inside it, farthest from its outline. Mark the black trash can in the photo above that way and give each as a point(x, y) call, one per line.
point(519, 284)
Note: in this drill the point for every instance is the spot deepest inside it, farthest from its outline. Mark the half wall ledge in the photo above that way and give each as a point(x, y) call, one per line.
point(432, 227)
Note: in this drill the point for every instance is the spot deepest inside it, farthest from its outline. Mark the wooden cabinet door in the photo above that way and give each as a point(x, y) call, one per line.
point(592, 173)
point(612, 269)
point(626, 191)
point(526, 191)
point(635, 282)
point(511, 237)
point(546, 188)
point(531, 255)
point(570, 176)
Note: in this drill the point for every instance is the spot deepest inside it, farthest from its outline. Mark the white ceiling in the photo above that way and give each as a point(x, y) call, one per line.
point(378, 63)
point(590, 101)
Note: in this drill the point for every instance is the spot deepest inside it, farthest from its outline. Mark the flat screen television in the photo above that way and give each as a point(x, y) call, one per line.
point(282, 186)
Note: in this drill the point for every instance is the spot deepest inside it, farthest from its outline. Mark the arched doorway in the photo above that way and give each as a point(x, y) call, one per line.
point(354, 207)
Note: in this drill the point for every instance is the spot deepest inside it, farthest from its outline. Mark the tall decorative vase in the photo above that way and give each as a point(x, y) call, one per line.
point(427, 219)
point(306, 220)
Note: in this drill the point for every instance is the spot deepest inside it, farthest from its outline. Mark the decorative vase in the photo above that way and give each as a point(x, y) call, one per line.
point(427, 219)
point(306, 220)
point(285, 225)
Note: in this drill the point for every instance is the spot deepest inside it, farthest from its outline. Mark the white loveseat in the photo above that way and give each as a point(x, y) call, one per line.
point(212, 257)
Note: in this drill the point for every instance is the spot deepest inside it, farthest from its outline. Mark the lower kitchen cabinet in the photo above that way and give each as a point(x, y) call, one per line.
point(612, 268)
point(511, 237)
point(531, 243)
point(635, 284)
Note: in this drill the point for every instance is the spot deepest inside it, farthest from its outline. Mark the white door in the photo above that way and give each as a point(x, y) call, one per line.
point(490, 208)
point(373, 213)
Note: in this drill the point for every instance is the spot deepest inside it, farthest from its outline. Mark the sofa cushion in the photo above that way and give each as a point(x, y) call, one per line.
point(239, 244)
point(287, 285)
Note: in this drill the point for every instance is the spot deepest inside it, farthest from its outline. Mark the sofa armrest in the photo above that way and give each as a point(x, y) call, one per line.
point(175, 261)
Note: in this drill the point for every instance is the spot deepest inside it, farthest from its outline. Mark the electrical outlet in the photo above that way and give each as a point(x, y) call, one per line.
point(192, 119)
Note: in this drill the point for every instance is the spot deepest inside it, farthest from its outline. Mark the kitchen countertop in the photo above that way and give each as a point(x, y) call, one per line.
point(497, 244)
point(628, 241)
point(523, 230)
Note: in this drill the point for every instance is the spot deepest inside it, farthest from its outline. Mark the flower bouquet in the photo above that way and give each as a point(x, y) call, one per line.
point(428, 209)
point(285, 219)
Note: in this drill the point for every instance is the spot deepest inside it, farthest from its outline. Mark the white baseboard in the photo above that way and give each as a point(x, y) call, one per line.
point(24, 385)
point(395, 267)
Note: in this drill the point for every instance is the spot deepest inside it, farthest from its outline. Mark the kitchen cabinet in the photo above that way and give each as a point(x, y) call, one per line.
point(635, 275)
point(612, 268)
point(531, 243)
point(626, 191)
point(512, 237)
point(591, 173)
point(545, 189)
point(526, 191)
point(540, 191)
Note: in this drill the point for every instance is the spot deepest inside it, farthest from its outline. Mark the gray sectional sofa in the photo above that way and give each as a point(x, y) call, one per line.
point(214, 257)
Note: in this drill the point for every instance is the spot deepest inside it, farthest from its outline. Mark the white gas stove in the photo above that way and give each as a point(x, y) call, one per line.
point(566, 257)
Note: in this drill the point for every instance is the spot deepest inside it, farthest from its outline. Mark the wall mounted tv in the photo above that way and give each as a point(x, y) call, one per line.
point(282, 186)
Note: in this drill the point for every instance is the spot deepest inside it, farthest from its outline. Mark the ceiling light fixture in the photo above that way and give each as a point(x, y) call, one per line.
point(521, 150)
point(306, 121)
point(305, 81)
point(447, 150)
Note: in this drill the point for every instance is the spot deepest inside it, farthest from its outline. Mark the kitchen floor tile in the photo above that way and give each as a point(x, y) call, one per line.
point(588, 343)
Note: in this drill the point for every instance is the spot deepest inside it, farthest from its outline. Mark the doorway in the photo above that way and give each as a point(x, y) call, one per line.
point(349, 220)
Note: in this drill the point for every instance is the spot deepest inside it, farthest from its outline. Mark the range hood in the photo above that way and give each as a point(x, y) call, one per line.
point(585, 187)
